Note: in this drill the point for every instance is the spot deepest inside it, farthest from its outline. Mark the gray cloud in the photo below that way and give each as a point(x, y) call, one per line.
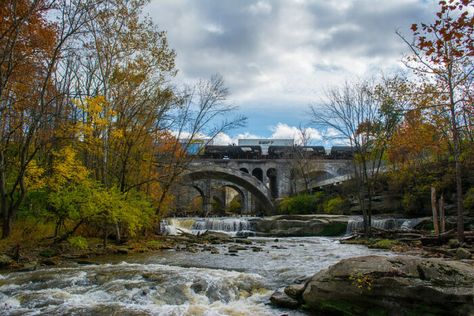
point(285, 51)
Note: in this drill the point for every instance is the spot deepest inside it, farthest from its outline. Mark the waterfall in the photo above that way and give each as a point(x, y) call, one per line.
point(357, 224)
point(229, 225)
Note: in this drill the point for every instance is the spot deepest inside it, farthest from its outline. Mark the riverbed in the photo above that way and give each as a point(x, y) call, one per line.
point(175, 282)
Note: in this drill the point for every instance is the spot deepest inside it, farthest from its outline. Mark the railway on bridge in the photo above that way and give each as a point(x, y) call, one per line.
point(258, 182)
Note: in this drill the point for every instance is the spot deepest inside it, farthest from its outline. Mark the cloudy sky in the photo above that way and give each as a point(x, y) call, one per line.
point(278, 56)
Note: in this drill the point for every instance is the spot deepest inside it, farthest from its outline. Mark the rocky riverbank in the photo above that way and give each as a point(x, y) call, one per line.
point(402, 285)
point(30, 258)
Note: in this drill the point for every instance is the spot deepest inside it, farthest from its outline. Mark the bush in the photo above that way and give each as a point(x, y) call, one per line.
point(78, 242)
point(383, 244)
point(469, 200)
point(336, 205)
point(234, 205)
point(300, 204)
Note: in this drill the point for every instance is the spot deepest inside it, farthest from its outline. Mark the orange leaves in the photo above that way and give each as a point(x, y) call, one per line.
point(416, 140)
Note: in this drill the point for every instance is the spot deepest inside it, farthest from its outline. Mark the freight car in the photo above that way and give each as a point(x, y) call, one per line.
point(232, 152)
point(292, 152)
point(341, 152)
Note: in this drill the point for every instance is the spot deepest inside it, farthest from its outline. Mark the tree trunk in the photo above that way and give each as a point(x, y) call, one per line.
point(442, 214)
point(435, 211)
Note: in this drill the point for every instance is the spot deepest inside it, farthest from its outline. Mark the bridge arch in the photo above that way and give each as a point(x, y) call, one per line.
point(242, 179)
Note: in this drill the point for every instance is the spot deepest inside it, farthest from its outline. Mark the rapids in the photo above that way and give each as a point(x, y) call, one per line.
point(175, 282)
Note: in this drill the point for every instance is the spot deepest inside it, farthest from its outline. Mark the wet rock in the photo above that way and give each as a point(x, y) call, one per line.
point(123, 250)
point(463, 253)
point(5, 260)
point(280, 299)
point(243, 241)
point(154, 277)
point(192, 249)
point(179, 247)
point(214, 251)
point(49, 262)
point(402, 285)
point(86, 262)
point(29, 266)
point(233, 249)
point(256, 249)
point(295, 290)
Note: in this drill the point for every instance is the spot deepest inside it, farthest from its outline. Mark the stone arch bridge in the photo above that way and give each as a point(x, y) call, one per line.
point(260, 182)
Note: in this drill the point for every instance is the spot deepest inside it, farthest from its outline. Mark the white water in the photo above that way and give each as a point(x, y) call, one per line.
point(173, 283)
point(230, 226)
point(357, 223)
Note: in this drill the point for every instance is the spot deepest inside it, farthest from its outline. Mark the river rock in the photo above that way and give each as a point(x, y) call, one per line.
point(463, 253)
point(295, 290)
point(280, 299)
point(402, 285)
point(5, 260)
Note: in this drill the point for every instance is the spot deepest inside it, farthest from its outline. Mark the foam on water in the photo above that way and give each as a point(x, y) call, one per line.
point(356, 223)
point(134, 289)
point(233, 226)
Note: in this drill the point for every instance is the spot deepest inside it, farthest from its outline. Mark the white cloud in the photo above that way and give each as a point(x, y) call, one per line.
point(282, 130)
point(261, 7)
point(214, 28)
point(223, 139)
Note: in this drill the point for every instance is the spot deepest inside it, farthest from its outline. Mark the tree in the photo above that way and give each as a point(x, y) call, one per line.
point(365, 115)
point(32, 45)
point(202, 112)
point(442, 55)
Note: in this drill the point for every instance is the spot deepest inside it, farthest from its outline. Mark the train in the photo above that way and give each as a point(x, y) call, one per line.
point(276, 152)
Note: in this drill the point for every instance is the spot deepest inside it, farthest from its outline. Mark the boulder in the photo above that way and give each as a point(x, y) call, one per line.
point(295, 290)
point(402, 285)
point(463, 253)
point(5, 260)
point(280, 299)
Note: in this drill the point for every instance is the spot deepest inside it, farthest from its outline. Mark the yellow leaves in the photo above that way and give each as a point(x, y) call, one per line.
point(361, 281)
point(34, 177)
point(66, 169)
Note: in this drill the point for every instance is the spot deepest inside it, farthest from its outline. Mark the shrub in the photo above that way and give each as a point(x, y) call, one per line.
point(469, 200)
point(383, 244)
point(78, 242)
point(336, 205)
point(234, 205)
point(299, 204)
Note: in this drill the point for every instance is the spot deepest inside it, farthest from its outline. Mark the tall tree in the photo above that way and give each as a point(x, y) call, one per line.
point(364, 114)
point(442, 55)
point(32, 45)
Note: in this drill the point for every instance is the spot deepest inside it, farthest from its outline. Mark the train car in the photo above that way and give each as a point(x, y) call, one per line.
point(293, 152)
point(281, 152)
point(342, 152)
point(249, 152)
point(232, 152)
point(313, 151)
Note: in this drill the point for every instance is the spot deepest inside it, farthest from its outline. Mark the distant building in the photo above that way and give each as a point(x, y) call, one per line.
point(264, 143)
point(195, 146)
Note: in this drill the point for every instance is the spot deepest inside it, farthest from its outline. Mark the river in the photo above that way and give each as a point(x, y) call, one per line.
point(175, 282)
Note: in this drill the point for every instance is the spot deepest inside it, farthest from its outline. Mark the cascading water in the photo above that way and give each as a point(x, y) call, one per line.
point(357, 224)
point(175, 283)
point(232, 226)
